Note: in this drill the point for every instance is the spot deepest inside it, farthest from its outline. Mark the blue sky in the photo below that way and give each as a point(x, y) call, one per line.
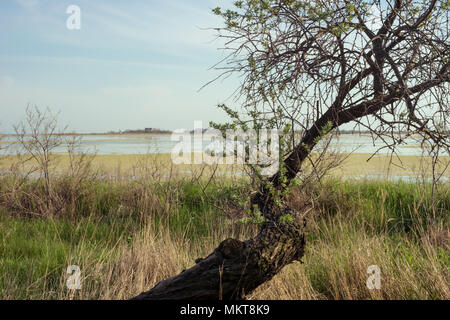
point(133, 64)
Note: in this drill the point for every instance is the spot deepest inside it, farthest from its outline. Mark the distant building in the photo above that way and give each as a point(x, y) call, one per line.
point(148, 130)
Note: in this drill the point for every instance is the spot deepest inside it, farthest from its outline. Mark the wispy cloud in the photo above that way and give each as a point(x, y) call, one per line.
point(66, 61)
point(149, 57)
point(169, 22)
point(28, 4)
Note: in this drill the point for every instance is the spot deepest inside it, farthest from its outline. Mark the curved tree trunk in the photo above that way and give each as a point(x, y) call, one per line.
point(234, 269)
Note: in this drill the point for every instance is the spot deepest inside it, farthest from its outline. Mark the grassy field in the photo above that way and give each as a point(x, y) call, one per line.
point(128, 234)
point(353, 165)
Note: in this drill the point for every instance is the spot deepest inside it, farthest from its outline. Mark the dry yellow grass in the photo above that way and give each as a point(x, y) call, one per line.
point(154, 257)
point(354, 165)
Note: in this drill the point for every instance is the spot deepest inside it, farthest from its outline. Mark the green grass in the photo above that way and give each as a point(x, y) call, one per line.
point(33, 249)
point(355, 223)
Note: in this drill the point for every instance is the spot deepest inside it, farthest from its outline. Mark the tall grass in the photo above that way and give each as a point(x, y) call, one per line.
point(126, 235)
point(127, 232)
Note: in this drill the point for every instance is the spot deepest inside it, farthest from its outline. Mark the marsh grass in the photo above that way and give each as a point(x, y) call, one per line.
point(127, 235)
point(130, 225)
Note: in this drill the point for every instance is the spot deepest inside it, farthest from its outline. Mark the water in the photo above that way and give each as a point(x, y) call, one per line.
point(142, 144)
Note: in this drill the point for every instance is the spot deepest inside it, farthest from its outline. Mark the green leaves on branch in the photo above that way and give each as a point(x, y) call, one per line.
point(286, 219)
point(445, 4)
point(255, 217)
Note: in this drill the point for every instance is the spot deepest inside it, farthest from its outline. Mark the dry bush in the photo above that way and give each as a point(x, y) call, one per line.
point(35, 183)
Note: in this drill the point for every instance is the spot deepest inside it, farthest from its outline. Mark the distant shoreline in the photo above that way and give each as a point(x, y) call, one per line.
point(161, 132)
point(100, 134)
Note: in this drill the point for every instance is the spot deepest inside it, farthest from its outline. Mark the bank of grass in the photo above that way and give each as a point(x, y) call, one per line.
point(126, 235)
point(354, 165)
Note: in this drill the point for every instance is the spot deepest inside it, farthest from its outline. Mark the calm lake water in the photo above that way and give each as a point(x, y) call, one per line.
point(141, 144)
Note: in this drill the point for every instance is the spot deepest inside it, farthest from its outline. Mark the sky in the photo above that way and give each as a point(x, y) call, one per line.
point(131, 65)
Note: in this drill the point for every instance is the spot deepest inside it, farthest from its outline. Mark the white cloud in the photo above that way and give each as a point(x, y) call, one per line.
point(28, 4)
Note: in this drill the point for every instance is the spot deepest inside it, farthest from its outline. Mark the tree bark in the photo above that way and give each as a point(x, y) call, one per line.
point(234, 269)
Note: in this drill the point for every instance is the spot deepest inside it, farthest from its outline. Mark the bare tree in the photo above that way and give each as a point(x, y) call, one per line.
point(318, 65)
point(38, 136)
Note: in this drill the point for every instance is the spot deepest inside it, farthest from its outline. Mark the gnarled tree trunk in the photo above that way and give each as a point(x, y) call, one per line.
point(234, 269)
